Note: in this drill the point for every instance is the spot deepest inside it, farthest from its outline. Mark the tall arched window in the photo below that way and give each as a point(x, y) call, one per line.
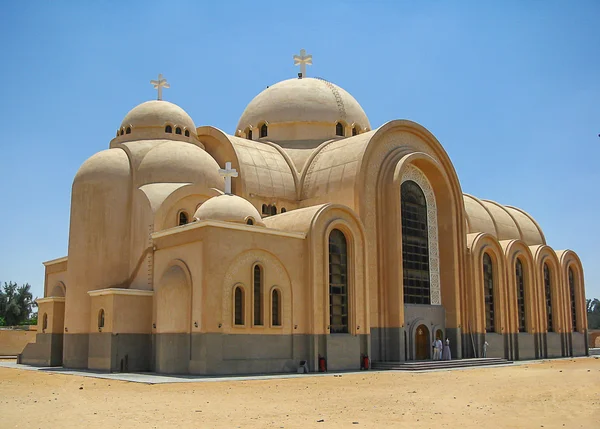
point(177, 130)
point(548, 293)
point(520, 281)
point(249, 134)
point(415, 244)
point(276, 307)
point(265, 209)
point(488, 288)
point(263, 130)
point(273, 210)
point(183, 218)
point(45, 322)
point(258, 295)
point(354, 131)
point(338, 282)
point(339, 129)
point(101, 318)
point(573, 302)
point(168, 129)
point(238, 304)
point(128, 130)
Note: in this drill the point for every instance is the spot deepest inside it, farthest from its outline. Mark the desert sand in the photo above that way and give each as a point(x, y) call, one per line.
point(551, 394)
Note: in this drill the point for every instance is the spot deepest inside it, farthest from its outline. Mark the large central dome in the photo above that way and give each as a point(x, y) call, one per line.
point(293, 102)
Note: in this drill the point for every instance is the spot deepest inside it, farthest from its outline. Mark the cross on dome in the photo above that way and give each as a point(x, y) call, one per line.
point(160, 84)
point(302, 60)
point(228, 173)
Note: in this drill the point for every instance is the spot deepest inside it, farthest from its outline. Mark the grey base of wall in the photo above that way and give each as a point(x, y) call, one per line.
point(208, 354)
point(523, 346)
point(46, 351)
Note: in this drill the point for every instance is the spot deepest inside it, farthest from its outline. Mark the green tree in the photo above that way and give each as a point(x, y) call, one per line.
point(15, 303)
point(593, 313)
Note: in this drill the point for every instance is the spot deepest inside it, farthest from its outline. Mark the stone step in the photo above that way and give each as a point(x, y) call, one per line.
point(438, 364)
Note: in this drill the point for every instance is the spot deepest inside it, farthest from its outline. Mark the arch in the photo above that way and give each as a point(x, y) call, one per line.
point(273, 210)
point(521, 302)
point(239, 313)
point(265, 209)
point(101, 316)
point(283, 210)
point(128, 130)
point(415, 244)
point(569, 260)
point(187, 133)
point(178, 130)
point(488, 285)
point(263, 130)
point(339, 129)
point(58, 290)
point(545, 255)
point(240, 273)
point(518, 250)
point(44, 322)
point(122, 131)
point(572, 300)
point(275, 306)
point(174, 299)
point(182, 218)
point(422, 343)
point(248, 133)
point(168, 129)
point(257, 295)
point(355, 130)
point(249, 221)
point(478, 312)
point(338, 283)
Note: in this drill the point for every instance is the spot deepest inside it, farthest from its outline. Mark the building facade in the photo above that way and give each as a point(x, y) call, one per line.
point(331, 241)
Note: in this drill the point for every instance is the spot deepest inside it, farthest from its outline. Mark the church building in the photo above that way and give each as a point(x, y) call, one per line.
point(303, 236)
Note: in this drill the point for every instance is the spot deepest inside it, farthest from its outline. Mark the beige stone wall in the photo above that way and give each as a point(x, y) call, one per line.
point(125, 312)
point(54, 310)
point(13, 341)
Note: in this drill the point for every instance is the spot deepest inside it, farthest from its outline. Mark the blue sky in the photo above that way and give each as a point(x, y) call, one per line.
point(511, 89)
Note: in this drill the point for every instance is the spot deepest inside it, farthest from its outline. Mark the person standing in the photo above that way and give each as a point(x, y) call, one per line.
point(446, 355)
point(434, 349)
point(485, 347)
point(439, 346)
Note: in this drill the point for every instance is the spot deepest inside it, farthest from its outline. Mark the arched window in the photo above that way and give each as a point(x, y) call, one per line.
point(263, 130)
point(338, 282)
point(283, 210)
point(45, 322)
point(339, 129)
point(520, 281)
point(168, 129)
point(187, 133)
point(128, 130)
point(548, 293)
point(265, 209)
point(258, 295)
point(183, 218)
point(573, 302)
point(238, 306)
point(101, 318)
point(178, 130)
point(122, 131)
point(249, 134)
point(354, 131)
point(276, 307)
point(273, 210)
point(415, 244)
point(250, 221)
point(488, 289)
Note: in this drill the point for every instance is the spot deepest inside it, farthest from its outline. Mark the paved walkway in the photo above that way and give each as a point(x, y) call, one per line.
point(152, 378)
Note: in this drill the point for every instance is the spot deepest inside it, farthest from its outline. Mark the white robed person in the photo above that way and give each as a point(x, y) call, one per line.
point(446, 355)
point(438, 349)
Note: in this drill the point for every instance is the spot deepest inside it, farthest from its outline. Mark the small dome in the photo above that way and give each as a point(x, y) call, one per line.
point(105, 167)
point(179, 162)
point(307, 100)
point(229, 208)
point(158, 113)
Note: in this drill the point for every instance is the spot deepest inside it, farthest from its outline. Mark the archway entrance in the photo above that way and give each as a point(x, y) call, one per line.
point(422, 343)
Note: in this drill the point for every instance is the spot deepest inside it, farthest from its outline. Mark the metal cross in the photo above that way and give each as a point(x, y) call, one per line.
point(228, 173)
point(302, 60)
point(160, 84)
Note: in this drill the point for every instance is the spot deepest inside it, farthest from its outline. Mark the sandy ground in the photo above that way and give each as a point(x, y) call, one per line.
point(553, 394)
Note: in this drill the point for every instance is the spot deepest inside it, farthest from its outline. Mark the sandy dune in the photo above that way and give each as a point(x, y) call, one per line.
point(554, 394)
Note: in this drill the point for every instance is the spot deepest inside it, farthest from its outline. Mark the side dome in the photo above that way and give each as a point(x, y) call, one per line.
point(316, 104)
point(229, 208)
point(152, 117)
point(105, 167)
point(179, 162)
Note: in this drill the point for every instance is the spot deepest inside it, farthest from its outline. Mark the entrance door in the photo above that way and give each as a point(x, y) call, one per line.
point(422, 342)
